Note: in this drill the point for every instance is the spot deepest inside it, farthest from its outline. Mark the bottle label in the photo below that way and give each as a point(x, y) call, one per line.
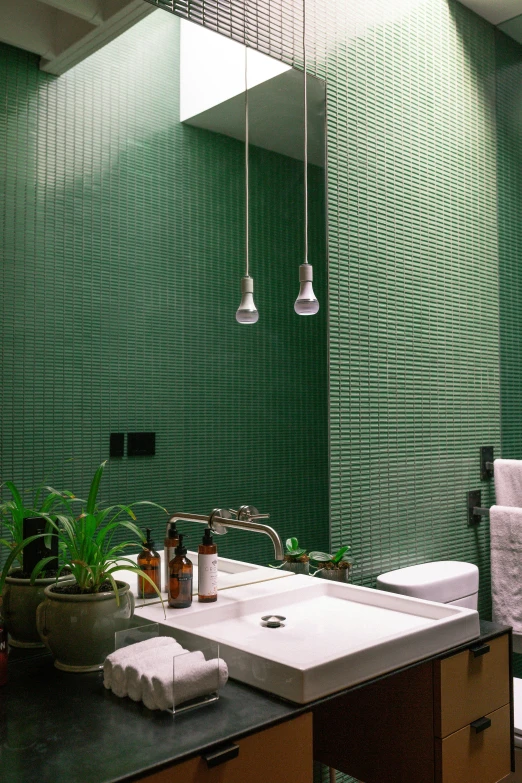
point(207, 574)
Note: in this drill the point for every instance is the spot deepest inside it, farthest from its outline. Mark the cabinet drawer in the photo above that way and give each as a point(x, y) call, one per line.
point(470, 757)
point(280, 754)
point(468, 686)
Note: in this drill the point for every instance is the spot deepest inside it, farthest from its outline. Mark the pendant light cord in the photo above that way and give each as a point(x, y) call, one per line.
point(305, 138)
point(247, 272)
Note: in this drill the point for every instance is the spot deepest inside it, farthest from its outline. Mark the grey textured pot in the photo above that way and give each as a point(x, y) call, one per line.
point(297, 568)
point(79, 629)
point(334, 574)
point(20, 601)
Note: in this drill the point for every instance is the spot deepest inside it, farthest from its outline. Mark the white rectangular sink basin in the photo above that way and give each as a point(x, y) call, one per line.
point(333, 635)
point(231, 573)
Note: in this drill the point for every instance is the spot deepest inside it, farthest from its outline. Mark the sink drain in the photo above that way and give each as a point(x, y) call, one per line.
point(273, 621)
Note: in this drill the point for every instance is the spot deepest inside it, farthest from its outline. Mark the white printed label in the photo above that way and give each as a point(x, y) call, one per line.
point(207, 574)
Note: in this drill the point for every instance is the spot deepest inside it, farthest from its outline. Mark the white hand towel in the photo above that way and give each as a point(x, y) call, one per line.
point(163, 671)
point(506, 564)
point(136, 667)
point(116, 658)
point(194, 678)
point(508, 482)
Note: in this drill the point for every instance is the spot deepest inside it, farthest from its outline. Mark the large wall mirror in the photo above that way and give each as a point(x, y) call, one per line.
point(124, 252)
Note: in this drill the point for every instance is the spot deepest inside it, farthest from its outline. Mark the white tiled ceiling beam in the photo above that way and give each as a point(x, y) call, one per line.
point(89, 10)
point(495, 11)
point(117, 16)
point(65, 32)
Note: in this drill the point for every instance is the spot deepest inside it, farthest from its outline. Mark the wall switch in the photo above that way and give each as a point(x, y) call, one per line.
point(117, 444)
point(37, 550)
point(141, 444)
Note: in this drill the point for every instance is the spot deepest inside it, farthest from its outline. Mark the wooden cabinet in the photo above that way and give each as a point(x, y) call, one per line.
point(472, 713)
point(263, 757)
point(443, 721)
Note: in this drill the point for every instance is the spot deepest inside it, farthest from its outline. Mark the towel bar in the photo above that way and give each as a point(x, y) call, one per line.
point(475, 510)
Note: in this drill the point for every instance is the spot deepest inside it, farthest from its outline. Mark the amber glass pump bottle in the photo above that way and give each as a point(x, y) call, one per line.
point(180, 578)
point(150, 563)
point(171, 542)
point(207, 569)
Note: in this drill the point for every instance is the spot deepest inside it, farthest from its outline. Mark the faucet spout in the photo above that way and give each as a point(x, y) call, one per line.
point(246, 520)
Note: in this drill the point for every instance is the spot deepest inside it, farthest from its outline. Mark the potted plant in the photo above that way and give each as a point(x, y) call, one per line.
point(20, 589)
point(336, 567)
point(77, 621)
point(295, 558)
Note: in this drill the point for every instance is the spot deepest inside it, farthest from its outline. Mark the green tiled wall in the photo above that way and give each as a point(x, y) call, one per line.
point(413, 265)
point(509, 138)
point(122, 253)
point(413, 284)
point(509, 125)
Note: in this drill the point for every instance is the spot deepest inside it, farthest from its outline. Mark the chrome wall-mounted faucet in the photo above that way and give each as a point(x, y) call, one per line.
point(245, 519)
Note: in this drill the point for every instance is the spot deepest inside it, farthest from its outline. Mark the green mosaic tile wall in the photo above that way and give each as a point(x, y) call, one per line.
point(413, 284)
point(413, 259)
point(122, 253)
point(509, 139)
point(413, 289)
point(509, 127)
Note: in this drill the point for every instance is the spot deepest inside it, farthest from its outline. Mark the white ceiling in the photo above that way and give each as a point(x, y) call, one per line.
point(505, 14)
point(65, 32)
point(495, 11)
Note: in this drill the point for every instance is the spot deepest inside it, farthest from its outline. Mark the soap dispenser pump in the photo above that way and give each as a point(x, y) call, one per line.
point(207, 569)
point(180, 578)
point(150, 563)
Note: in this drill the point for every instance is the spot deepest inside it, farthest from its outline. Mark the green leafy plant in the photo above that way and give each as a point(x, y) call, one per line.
point(293, 553)
point(339, 560)
point(86, 541)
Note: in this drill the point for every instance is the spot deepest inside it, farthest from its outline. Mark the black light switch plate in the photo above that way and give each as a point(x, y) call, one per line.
point(117, 444)
point(141, 444)
point(36, 550)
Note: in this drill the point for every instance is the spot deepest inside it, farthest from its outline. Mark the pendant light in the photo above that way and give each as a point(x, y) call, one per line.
point(306, 302)
point(247, 312)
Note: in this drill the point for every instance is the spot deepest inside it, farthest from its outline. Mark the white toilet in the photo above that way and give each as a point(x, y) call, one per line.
point(445, 581)
point(451, 582)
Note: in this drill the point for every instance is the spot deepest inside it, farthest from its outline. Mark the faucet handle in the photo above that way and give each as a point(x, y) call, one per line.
point(249, 513)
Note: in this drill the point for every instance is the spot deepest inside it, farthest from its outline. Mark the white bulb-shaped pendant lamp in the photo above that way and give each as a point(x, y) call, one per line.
point(247, 312)
point(306, 302)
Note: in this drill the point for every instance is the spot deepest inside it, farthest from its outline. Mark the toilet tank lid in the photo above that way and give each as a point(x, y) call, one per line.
point(442, 580)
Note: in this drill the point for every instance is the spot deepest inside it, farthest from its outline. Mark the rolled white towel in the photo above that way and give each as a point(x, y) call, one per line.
point(118, 656)
point(162, 670)
point(194, 678)
point(148, 661)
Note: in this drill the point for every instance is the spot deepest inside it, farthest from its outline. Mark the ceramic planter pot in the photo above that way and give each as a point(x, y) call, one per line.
point(79, 629)
point(297, 568)
point(334, 574)
point(20, 601)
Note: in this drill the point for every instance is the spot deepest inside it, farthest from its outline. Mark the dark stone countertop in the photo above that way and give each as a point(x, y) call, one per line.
point(57, 727)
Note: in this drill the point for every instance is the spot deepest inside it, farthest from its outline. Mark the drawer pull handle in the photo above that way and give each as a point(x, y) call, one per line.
point(481, 724)
point(479, 649)
point(221, 755)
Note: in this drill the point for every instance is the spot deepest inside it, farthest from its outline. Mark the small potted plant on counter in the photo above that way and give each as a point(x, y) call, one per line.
point(336, 567)
point(295, 558)
point(20, 589)
point(77, 621)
